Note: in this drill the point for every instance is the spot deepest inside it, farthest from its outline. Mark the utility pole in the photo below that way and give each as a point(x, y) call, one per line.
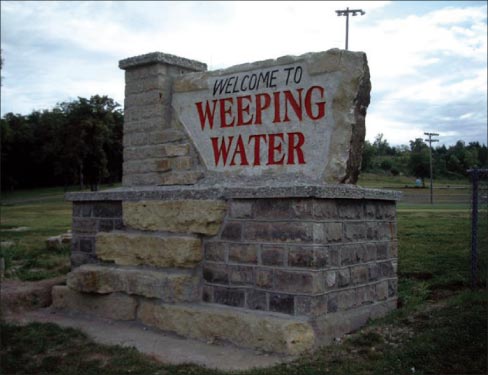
point(346, 12)
point(430, 140)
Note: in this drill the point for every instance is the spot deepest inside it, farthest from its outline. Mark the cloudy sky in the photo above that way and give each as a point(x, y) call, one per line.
point(428, 60)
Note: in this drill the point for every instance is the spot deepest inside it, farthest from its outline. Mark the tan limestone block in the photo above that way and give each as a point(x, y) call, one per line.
point(180, 216)
point(112, 306)
point(127, 249)
point(174, 286)
point(253, 330)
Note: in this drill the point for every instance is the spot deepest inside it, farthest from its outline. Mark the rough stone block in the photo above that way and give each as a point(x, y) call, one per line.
point(311, 306)
point(78, 258)
point(264, 278)
point(256, 231)
point(243, 253)
point(273, 255)
point(180, 178)
point(297, 282)
point(302, 208)
point(87, 244)
point(343, 277)
point(365, 295)
point(382, 290)
point(241, 275)
point(216, 273)
point(330, 279)
point(257, 330)
point(325, 209)
point(170, 287)
point(392, 288)
point(129, 249)
point(256, 300)
point(381, 231)
point(291, 232)
point(215, 251)
point(232, 231)
point(359, 274)
point(229, 296)
point(301, 257)
point(282, 303)
point(346, 300)
point(354, 231)
point(156, 151)
point(240, 209)
point(105, 225)
point(350, 209)
point(82, 209)
point(184, 216)
point(272, 209)
point(386, 269)
point(115, 306)
point(85, 225)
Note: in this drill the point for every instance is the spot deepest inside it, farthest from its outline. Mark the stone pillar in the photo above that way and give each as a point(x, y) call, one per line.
point(157, 151)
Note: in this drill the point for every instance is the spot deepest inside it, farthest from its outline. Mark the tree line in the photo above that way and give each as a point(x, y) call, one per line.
point(77, 142)
point(80, 143)
point(414, 159)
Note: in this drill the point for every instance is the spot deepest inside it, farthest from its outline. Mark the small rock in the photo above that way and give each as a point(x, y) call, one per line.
point(6, 244)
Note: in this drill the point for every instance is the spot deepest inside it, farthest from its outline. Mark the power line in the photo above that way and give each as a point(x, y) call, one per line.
point(430, 140)
point(346, 12)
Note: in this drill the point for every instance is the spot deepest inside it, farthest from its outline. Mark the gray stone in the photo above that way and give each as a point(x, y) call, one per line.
point(334, 98)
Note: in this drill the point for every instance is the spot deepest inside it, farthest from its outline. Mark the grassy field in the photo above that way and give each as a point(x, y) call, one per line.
point(439, 328)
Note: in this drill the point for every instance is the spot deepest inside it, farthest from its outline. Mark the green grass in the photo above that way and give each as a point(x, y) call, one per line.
point(28, 258)
point(440, 327)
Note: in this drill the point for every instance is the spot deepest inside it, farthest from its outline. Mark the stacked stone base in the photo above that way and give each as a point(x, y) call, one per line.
point(284, 273)
point(270, 332)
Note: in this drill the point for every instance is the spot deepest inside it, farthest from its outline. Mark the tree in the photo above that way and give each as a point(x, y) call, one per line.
point(90, 123)
point(419, 162)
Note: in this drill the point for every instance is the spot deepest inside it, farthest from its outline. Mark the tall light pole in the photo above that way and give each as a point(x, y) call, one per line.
point(346, 13)
point(430, 140)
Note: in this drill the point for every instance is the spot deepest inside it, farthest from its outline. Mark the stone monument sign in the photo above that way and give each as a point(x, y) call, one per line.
point(238, 219)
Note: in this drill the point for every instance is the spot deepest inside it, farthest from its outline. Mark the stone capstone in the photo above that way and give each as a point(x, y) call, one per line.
point(129, 249)
point(112, 306)
point(169, 286)
point(253, 330)
point(178, 216)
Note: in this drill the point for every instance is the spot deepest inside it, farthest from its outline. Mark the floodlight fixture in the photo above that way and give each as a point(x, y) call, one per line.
point(346, 12)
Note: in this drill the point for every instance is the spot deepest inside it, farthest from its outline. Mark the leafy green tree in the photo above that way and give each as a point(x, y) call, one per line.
point(419, 162)
point(90, 124)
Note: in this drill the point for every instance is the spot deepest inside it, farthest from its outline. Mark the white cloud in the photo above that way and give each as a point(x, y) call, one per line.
point(59, 50)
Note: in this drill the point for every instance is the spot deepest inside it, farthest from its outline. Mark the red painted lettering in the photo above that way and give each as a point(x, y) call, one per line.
point(208, 115)
point(224, 112)
point(240, 149)
point(222, 150)
point(257, 147)
point(320, 105)
point(273, 148)
point(295, 148)
point(241, 109)
point(261, 106)
point(296, 104)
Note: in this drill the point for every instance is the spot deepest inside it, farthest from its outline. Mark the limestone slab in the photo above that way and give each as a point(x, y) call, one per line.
point(180, 216)
point(130, 249)
point(116, 306)
point(168, 286)
point(301, 115)
point(267, 332)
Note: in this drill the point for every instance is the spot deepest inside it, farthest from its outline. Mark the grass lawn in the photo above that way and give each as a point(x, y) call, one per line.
point(440, 327)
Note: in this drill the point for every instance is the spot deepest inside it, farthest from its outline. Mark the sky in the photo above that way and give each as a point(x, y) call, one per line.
point(427, 59)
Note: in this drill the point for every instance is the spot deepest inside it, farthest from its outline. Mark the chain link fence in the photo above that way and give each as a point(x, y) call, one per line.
point(479, 226)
